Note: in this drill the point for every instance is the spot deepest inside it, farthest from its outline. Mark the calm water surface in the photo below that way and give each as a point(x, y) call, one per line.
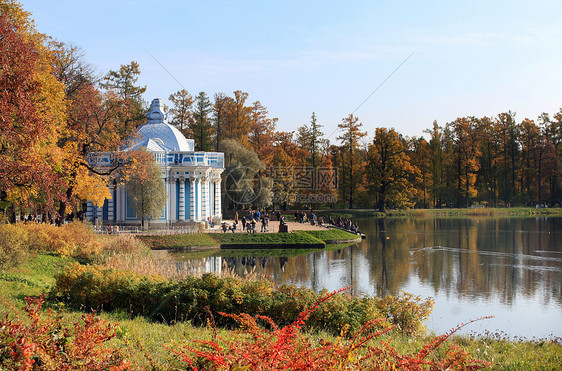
point(507, 267)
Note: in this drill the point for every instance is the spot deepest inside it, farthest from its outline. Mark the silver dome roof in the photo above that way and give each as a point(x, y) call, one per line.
point(159, 136)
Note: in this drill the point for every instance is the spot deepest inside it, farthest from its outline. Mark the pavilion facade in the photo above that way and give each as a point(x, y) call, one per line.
point(192, 178)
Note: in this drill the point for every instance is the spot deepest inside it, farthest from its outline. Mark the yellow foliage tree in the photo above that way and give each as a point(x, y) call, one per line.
point(389, 171)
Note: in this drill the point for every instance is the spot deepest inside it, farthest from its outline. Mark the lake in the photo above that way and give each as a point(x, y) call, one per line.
point(510, 268)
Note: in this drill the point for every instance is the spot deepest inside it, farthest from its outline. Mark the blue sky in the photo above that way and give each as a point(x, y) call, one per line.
point(470, 57)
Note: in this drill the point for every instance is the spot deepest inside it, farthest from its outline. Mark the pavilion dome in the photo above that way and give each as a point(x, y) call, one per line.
point(159, 136)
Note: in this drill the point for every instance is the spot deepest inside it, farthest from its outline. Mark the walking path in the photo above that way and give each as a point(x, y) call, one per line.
point(273, 227)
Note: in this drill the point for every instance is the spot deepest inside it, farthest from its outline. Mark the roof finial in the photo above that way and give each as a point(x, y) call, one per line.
point(155, 115)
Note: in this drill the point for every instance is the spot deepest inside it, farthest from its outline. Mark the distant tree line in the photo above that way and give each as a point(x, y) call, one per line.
point(55, 110)
point(492, 161)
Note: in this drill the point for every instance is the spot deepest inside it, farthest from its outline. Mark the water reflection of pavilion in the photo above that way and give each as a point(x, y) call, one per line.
point(196, 267)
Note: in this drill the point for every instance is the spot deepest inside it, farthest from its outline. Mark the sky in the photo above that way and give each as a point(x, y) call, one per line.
point(415, 61)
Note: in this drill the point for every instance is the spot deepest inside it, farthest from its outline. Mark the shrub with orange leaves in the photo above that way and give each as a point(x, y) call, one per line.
point(13, 245)
point(43, 342)
point(75, 239)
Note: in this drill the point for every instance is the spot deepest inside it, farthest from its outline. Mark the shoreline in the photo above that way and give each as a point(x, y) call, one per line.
point(300, 237)
point(443, 212)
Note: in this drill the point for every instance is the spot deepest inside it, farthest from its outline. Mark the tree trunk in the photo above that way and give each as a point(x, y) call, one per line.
point(62, 206)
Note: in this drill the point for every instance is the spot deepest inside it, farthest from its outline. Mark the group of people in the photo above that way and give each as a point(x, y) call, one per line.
point(302, 217)
point(347, 224)
point(249, 222)
point(112, 229)
point(254, 217)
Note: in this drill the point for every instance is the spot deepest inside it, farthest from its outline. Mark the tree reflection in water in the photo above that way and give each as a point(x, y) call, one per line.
point(499, 263)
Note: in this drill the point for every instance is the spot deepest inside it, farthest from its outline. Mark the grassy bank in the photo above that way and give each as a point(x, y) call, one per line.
point(179, 241)
point(208, 241)
point(147, 343)
point(141, 343)
point(445, 212)
point(334, 236)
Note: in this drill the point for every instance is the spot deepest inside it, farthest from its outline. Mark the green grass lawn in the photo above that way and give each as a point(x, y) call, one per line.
point(33, 277)
point(178, 241)
point(333, 235)
point(297, 237)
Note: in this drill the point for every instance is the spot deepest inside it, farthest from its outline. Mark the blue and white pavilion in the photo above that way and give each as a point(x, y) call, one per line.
point(193, 179)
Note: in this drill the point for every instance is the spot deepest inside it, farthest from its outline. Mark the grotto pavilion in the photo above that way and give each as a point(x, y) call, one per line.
point(192, 179)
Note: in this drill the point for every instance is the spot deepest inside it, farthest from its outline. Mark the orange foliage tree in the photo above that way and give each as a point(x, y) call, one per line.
point(390, 173)
point(31, 112)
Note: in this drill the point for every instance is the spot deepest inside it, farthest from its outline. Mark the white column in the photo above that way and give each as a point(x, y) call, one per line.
point(198, 195)
point(116, 204)
point(98, 213)
point(211, 201)
point(192, 198)
point(168, 196)
point(218, 198)
point(181, 210)
point(122, 210)
point(204, 198)
point(110, 205)
point(173, 208)
point(90, 211)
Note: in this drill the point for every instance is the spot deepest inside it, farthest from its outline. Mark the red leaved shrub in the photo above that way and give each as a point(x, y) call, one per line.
point(42, 342)
point(256, 347)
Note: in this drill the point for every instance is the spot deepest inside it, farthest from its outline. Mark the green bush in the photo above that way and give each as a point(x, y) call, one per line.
point(197, 299)
point(406, 311)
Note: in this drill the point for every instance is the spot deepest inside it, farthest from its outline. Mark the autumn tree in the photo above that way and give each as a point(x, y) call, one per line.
point(389, 171)
point(450, 169)
point(20, 123)
point(182, 103)
point(282, 173)
point(145, 186)
point(311, 139)
point(70, 67)
point(236, 123)
point(124, 83)
point(93, 125)
point(350, 137)
point(529, 141)
point(466, 153)
point(507, 132)
point(262, 129)
point(219, 115)
point(200, 123)
point(436, 171)
point(286, 140)
point(488, 174)
point(419, 157)
point(74, 119)
point(32, 109)
point(552, 129)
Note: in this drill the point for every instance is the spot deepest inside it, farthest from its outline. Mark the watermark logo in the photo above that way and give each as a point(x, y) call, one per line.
point(243, 185)
point(300, 184)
